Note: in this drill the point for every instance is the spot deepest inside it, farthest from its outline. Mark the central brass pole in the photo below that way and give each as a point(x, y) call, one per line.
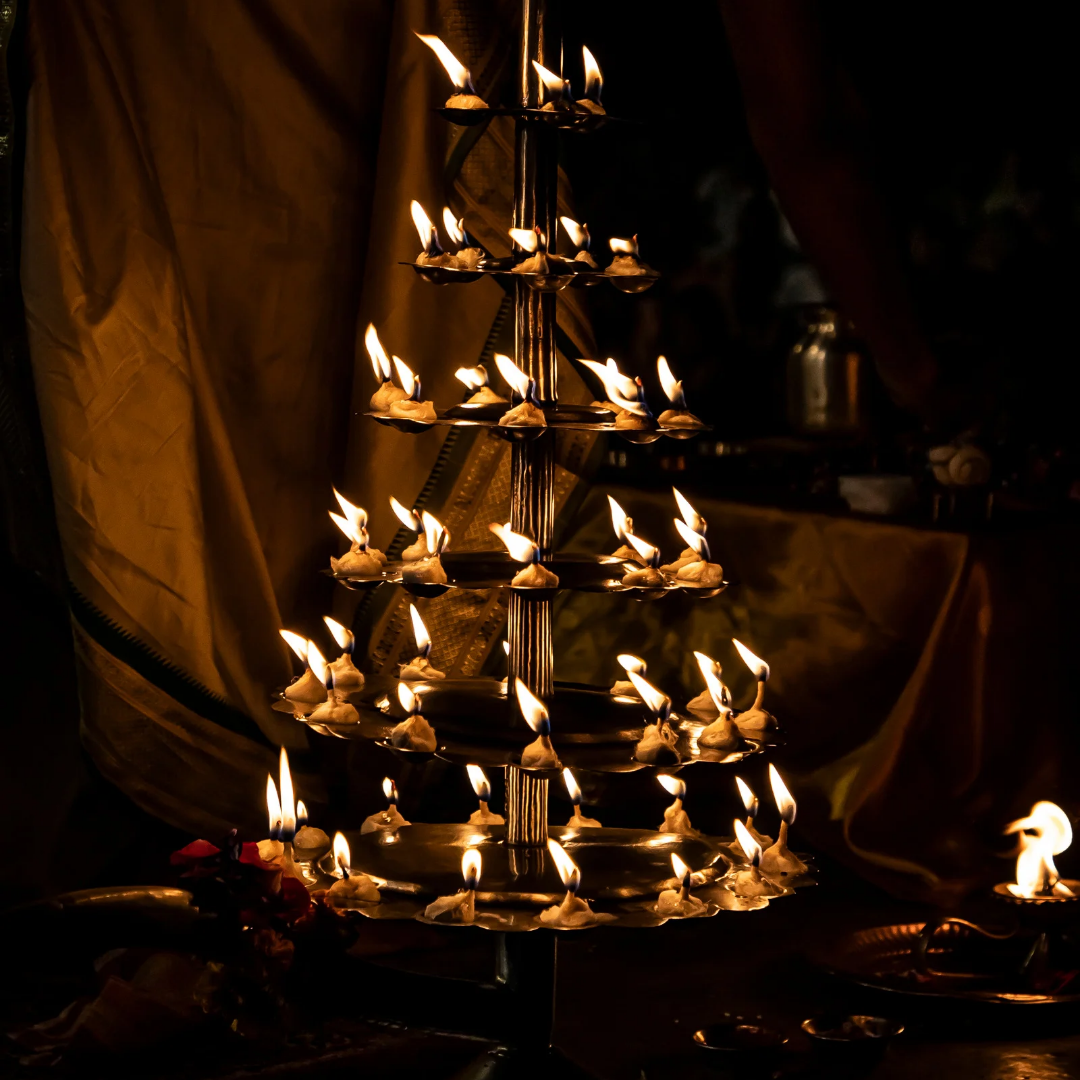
point(532, 506)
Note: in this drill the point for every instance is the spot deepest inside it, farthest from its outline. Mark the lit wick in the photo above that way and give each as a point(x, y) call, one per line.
point(573, 911)
point(461, 907)
point(749, 881)
point(528, 413)
point(561, 98)
point(678, 416)
point(582, 241)
point(354, 889)
point(272, 850)
point(347, 676)
point(475, 379)
point(308, 690)
point(623, 525)
point(429, 569)
point(721, 734)
point(676, 819)
point(625, 397)
point(288, 817)
point(1044, 833)
point(469, 252)
point(627, 262)
point(482, 787)
point(335, 709)
point(524, 550)
point(677, 903)
point(420, 668)
point(388, 819)
point(465, 96)
point(594, 84)
point(539, 754)
point(387, 393)
point(755, 719)
point(629, 662)
point(414, 732)
point(412, 406)
point(647, 576)
point(578, 820)
point(779, 860)
point(657, 743)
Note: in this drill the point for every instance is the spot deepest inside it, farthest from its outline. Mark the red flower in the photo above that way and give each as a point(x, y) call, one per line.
point(194, 853)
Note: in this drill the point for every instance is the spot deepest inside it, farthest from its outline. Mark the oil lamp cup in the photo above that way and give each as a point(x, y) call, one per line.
point(746, 1048)
point(850, 1043)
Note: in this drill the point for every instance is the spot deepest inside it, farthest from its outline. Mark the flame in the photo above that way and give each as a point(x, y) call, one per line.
point(458, 72)
point(555, 85)
point(568, 869)
point(472, 377)
point(650, 554)
point(380, 362)
point(630, 662)
point(673, 785)
point(693, 540)
point(342, 855)
point(521, 548)
point(784, 802)
point(301, 813)
point(317, 662)
point(526, 239)
point(406, 517)
point(594, 80)
point(620, 521)
point(356, 534)
point(579, 234)
point(754, 663)
point(682, 871)
point(273, 806)
point(751, 848)
point(410, 702)
point(1044, 833)
point(689, 514)
point(471, 864)
point(296, 642)
point(410, 383)
point(455, 229)
point(420, 632)
point(749, 799)
point(506, 647)
point(672, 386)
point(532, 708)
point(572, 788)
point(624, 247)
point(389, 789)
point(342, 635)
point(658, 702)
point(515, 378)
point(436, 534)
point(429, 235)
point(288, 798)
point(479, 782)
point(617, 386)
point(710, 671)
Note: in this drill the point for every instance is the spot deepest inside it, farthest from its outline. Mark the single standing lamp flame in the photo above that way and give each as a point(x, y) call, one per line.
point(301, 814)
point(673, 387)
point(650, 554)
point(529, 240)
point(420, 632)
point(296, 642)
point(436, 535)
point(579, 234)
point(515, 378)
point(594, 80)
point(751, 848)
point(425, 228)
point(455, 229)
point(1044, 833)
point(288, 799)
point(319, 667)
point(658, 703)
point(693, 540)
point(621, 522)
point(389, 789)
point(407, 518)
point(521, 548)
point(673, 785)
point(410, 702)
point(759, 668)
point(472, 377)
point(357, 515)
point(568, 870)
point(692, 518)
point(356, 534)
point(624, 247)
point(533, 709)
point(710, 672)
point(458, 72)
point(784, 802)
point(557, 87)
point(342, 635)
point(681, 870)
point(342, 855)
point(380, 362)
point(471, 864)
point(749, 799)
point(572, 788)
point(617, 386)
point(410, 382)
point(480, 783)
point(273, 808)
point(630, 662)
